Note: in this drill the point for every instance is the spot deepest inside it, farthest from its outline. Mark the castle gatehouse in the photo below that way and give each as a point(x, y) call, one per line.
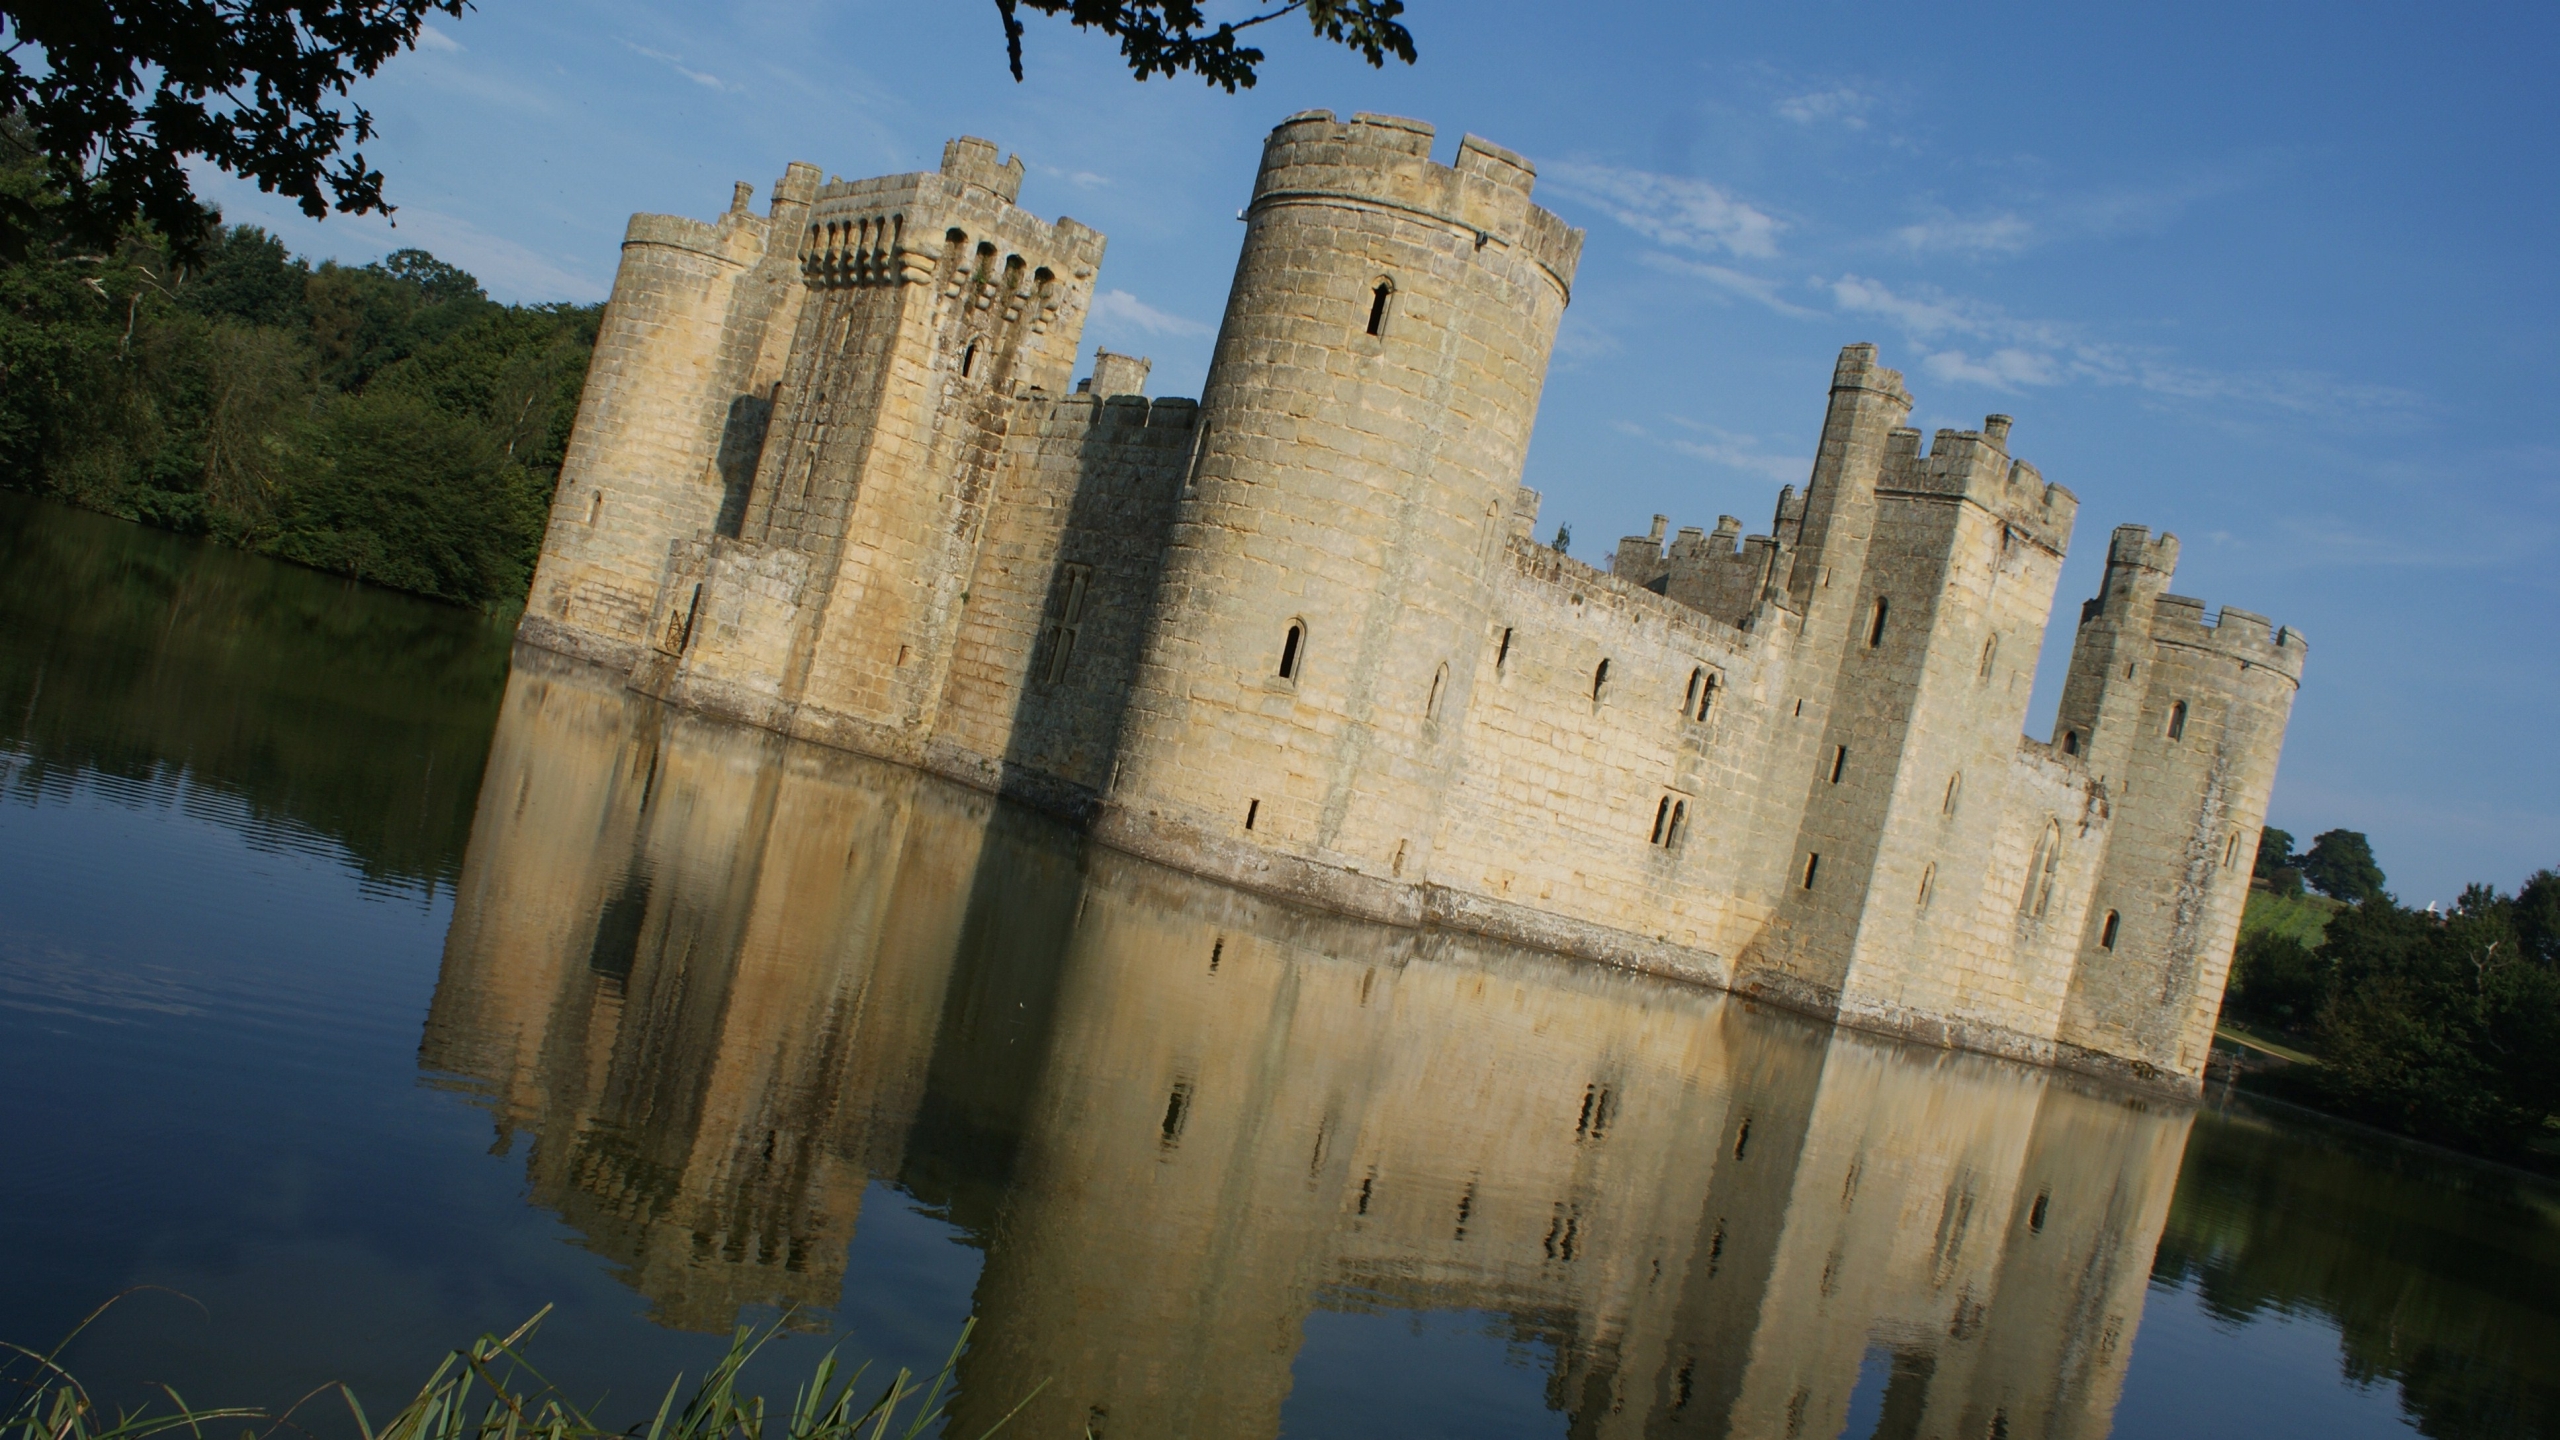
point(831, 476)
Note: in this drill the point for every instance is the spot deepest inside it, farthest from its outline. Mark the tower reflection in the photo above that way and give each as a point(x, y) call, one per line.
point(726, 981)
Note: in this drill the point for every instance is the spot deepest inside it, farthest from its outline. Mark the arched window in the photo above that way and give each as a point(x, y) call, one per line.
point(1990, 653)
point(1378, 306)
point(969, 360)
point(2070, 742)
point(1599, 682)
point(1697, 682)
point(595, 507)
point(1679, 823)
point(2040, 872)
point(2107, 932)
point(1875, 627)
point(1293, 649)
point(1661, 819)
point(1955, 787)
point(2231, 850)
point(1706, 697)
point(2178, 720)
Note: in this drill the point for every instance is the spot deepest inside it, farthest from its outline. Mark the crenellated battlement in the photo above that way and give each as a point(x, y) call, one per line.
point(1975, 465)
point(1385, 160)
point(738, 235)
point(959, 220)
point(2249, 638)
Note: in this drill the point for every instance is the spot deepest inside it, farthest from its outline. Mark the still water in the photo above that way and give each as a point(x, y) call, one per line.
point(364, 987)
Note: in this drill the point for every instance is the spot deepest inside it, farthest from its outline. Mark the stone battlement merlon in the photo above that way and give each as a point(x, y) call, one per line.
point(902, 229)
point(2249, 638)
point(738, 235)
point(1545, 565)
point(1385, 161)
point(1975, 465)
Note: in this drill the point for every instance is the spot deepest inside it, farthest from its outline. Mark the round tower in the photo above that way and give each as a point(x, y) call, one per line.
point(1326, 595)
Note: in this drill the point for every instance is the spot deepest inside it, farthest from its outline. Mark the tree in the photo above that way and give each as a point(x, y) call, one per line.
point(2340, 865)
point(121, 94)
point(2275, 852)
point(1167, 37)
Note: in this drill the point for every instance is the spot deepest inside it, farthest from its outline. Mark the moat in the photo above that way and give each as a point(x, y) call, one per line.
point(372, 983)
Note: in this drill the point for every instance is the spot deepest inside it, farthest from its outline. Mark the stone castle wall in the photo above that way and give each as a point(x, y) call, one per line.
point(1298, 636)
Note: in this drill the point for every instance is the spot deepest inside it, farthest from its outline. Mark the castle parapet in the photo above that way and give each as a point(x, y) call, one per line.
point(2251, 639)
point(1975, 465)
point(1385, 160)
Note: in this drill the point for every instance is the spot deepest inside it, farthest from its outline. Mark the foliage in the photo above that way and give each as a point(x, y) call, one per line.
point(2276, 979)
point(1167, 37)
point(2277, 865)
point(387, 422)
point(2340, 865)
point(2448, 1026)
point(256, 87)
point(489, 1391)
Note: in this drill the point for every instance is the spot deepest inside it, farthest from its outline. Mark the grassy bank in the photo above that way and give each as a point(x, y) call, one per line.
point(2300, 918)
point(490, 1391)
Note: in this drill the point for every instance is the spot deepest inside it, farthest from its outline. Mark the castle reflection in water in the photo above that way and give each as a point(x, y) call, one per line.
point(727, 981)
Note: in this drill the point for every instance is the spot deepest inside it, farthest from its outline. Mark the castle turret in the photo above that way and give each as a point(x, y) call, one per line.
point(2197, 717)
point(672, 415)
point(1325, 602)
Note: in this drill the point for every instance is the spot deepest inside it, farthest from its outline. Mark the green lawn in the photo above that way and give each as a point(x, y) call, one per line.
point(2301, 916)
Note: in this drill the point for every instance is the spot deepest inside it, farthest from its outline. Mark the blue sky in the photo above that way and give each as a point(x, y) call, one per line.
point(2280, 279)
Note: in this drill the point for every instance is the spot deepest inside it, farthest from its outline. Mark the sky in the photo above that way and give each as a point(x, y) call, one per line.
point(2280, 279)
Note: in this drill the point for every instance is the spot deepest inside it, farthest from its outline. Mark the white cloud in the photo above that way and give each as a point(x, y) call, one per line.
point(676, 63)
point(2002, 234)
point(1122, 313)
point(1672, 209)
point(431, 38)
point(1737, 453)
point(1757, 288)
point(1841, 106)
point(2002, 369)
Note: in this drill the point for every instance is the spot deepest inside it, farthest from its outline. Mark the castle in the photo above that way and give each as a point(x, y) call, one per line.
point(830, 477)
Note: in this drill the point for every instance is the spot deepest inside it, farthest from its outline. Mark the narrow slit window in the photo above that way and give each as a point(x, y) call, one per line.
point(1177, 1109)
point(1661, 819)
point(1697, 682)
point(1928, 882)
point(1679, 823)
point(1812, 867)
point(1955, 787)
point(2178, 720)
point(2035, 1212)
point(595, 507)
point(1706, 697)
point(1502, 652)
point(1252, 809)
point(1990, 656)
point(2107, 932)
point(2231, 850)
point(969, 360)
point(1439, 682)
point(1875, 627)
point(2041, 868)
point(1839, 762)
point(1599, 682)
point(1068, 623)
point(1291, 646)
point(1378, 307)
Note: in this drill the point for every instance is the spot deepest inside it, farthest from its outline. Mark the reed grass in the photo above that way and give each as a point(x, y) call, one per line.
point(489, 1390)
